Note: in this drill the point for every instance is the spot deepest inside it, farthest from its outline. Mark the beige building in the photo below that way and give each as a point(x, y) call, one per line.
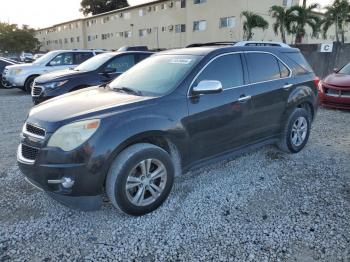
point(163, 24)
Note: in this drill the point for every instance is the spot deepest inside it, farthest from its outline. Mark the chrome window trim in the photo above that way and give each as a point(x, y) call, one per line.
point(234, 87)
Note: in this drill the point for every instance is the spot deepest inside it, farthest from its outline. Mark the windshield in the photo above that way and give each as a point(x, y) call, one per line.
point(94, 63)
point(157, 75)
point(45, 58)
point(345, 70)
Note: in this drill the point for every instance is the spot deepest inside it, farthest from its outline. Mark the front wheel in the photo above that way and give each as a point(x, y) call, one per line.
point(28, 85)
point(140, 179)
point(296, 131)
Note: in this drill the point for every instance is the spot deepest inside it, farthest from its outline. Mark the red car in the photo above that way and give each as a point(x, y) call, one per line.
point(334, 90)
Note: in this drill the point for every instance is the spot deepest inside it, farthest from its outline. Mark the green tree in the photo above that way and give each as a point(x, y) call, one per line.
point(337, 14)
point(251, 22)
point(15, 40)
point(299, 17)
point(95, 7)
point(280, 15)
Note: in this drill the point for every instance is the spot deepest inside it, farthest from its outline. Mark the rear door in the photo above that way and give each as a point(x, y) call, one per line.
point(217, 122)
point(80, 57)
point(270, 83)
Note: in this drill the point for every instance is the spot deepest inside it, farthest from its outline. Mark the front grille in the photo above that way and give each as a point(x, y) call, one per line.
point(35, 130)
point(332, 92)
point(29, 153)
point(345, 93)
point(37, 90)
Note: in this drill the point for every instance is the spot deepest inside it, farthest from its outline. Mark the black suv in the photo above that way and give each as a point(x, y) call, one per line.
point(97, 70)
point(174, 111)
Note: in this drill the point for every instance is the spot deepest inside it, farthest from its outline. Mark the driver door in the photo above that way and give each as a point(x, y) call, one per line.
point(218, 122)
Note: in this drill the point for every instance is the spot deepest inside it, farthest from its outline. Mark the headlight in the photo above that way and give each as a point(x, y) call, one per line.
point(73, 135)
point(16, 72)
point(53, 85)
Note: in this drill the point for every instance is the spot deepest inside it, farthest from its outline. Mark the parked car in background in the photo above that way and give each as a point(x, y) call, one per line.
point(334, 90)
point(97, 70)
point(37, 56)
point(174, 111)
point(26, 57)
point(3, 63)
point(22, 76)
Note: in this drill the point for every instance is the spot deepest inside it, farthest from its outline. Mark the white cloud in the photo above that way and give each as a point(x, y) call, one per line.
point(139, 2)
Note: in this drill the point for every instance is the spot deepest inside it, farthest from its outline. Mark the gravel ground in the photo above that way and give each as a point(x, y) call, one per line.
point(262, 206)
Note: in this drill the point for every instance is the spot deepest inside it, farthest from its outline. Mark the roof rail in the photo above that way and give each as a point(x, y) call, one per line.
point(241, 43)
point(261, 43)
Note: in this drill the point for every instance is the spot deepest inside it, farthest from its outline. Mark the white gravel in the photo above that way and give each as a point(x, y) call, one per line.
point(263, 206)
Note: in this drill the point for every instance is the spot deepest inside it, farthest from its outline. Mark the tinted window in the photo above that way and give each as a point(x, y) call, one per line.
point(2, 66)
point(226, 69)
point(82, 57)
point(141, 57)
point(262, 67)
point(62, 59)
point(283, 69)
point(122, 63)
point(302, 65)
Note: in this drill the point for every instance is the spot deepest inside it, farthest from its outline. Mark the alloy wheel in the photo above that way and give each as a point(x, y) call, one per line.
point(299, 131)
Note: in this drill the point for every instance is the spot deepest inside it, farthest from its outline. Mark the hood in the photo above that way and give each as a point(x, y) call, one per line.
point(340, 80)
point(50, 77)
point(21, 66)
point(86, 103)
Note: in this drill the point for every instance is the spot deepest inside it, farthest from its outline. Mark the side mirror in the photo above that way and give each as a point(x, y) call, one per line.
point(336, 70)
point(207, 87)
point(109, 70)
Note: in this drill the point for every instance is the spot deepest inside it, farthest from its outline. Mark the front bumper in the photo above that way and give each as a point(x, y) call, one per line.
point(13, 80)
point(52, 164)
point(337, 98)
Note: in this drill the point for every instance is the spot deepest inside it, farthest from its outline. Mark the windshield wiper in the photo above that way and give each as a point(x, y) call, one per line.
point(127, 90)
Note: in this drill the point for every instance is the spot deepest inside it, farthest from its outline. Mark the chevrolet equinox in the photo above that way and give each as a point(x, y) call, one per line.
point(172, 112)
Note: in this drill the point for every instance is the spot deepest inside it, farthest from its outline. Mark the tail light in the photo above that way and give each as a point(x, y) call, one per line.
point(318, 84)
point(317, 81)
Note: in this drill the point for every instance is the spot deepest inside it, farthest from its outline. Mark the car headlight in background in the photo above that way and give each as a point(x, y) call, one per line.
point(73, 135)
point(54, 85)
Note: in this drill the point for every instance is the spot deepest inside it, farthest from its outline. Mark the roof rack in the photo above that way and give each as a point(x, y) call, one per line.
point(241, 43)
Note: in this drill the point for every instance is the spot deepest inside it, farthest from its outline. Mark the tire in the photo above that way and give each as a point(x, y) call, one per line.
point(298, 122)
point(127, 166)
point(28, 84)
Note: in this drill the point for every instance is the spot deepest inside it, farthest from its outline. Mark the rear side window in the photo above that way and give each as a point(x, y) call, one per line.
point(226, 69)
point(141, 57)
point(264, 67)
point(302, 66)
point(82, 57)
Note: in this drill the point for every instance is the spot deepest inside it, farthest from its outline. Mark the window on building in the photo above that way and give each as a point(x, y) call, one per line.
point(227, 22)
point(142, 12)
point(66, 40)
point(143, 32)
point(262, 67)
point(105, 19)
point(163, 28)
point(127, 34)
point(226, 69)
point(60, 41)
point(127, 16)
point(89, 38)
point(199, 25)
point(180, 28)
point(196, 2)
point(78, 39)
point(163, 6)
point(287, 3)
point(183, 3)
point(72, 39)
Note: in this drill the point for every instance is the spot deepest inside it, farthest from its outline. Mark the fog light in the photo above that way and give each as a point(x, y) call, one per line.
point(66, 182)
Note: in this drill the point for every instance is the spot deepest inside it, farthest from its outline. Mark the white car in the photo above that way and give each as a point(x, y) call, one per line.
point(23, 75)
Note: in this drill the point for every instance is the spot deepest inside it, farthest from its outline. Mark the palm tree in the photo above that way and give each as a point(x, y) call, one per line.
point(299, 17)
point(337, 14)
point(252, 21)
point(280, 15)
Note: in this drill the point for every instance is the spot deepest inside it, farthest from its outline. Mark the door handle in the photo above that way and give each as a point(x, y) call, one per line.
point(287, 86)
point(244, 99)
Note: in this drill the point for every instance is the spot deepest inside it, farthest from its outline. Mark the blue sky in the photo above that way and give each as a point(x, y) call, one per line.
point(43, 13)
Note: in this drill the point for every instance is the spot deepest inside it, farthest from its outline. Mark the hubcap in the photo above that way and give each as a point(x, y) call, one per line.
point(299, 131)
point(146, 182)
